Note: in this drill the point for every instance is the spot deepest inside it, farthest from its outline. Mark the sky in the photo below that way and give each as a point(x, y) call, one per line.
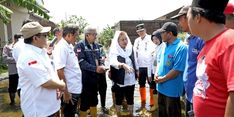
point(100, 13)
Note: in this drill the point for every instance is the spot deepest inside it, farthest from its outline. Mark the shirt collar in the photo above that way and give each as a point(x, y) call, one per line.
point(35, 48)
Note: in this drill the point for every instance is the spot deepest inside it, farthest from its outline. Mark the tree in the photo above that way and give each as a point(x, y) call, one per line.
point(106, 36)
point(31, 5)
point(80, 21)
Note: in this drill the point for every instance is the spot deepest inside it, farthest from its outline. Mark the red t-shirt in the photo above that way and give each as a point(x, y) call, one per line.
point(215, 73)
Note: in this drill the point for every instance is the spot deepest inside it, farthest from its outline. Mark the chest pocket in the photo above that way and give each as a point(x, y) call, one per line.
point(71, 58)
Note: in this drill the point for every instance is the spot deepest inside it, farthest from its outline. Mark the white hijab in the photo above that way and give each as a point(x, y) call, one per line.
point(115, 48)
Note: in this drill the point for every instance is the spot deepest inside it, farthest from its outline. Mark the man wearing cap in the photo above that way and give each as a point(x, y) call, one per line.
point(229, 13)
point(169, 78)
point(195, 45)
point(213, 94)
point(67, 66)
point(38, 77)
point(144, 49)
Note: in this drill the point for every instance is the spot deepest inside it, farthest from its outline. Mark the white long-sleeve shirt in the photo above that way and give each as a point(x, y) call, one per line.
point(144, 49)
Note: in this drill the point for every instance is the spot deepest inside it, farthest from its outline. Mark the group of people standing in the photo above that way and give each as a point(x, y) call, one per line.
point(201, 67)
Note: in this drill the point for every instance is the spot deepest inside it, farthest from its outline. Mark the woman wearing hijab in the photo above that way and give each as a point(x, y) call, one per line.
point(157, 40)
point(123, 69)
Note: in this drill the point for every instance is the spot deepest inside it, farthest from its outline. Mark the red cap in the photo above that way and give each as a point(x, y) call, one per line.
point(229, 9)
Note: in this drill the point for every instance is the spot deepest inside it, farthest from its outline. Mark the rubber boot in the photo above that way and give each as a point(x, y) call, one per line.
point(93, 111)
point(153, 108)
point(130, 108)
point(12, 98)
point(118, 108)
point(83, 114)
point(143, 99)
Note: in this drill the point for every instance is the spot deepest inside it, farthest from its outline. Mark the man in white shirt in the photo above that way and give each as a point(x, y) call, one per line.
point(144, 49)
point(68, 69)
point(39, 80)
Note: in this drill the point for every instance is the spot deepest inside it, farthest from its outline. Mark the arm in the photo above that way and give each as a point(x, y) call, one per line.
point(230, 105)
point(54, 84)
point(170, 75)
point(7, 57)
point(67, 96)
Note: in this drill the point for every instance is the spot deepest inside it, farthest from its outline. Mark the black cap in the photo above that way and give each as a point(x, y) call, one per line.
point(169, 27)
point(157, 34)
point(183, 11)
point(212, 5)
point(140, 27)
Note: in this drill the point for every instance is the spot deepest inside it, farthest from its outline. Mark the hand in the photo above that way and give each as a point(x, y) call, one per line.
point(160, 79)
point(127, 68)
point(100, 69)
point(62, 85)
point(67, 97)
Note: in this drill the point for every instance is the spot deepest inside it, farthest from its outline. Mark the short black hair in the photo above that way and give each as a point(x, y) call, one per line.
point(210, 15)
point(70, 29)
point(29, 40)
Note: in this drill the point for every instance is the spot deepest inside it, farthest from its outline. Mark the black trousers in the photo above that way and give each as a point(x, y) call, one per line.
point(143, 76)
point(127, 92)
point(168, 106)
point(13, 83)
point(69, 108)
point(102, 86)
point(89, 95)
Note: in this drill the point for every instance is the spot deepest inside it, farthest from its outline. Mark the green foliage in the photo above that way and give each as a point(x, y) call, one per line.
point(3, 67)
point(80, 21)
point(31, 5)
point(182, 35)
point(106, 36)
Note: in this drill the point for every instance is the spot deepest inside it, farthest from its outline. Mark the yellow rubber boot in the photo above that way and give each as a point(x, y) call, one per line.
point(83, 114)
point(93, 111)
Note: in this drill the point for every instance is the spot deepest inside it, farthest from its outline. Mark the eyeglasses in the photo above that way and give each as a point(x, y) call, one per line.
point(94, 34)
point(42, 35)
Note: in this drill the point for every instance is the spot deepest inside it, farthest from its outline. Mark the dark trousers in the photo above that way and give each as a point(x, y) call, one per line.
point(13, 83)
point(143, 76)
point(102, 86)
point(189, 109)
point(88, 95)
point(126, 92)
point(168, 106)
point(69, 108)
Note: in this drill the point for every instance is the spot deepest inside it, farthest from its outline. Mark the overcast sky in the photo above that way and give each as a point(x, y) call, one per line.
point(101, 13)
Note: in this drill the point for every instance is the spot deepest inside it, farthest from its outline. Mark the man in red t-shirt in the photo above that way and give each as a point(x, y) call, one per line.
point(214, 90)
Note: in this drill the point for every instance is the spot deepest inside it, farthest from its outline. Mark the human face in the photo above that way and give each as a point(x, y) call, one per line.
point(141, 33)
point(165, 36)
point(122, 40)
point(155, 40)
point(92, 36)
point(41, 40)
point(192, 23)
point(73, 37)
point(183, 23)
